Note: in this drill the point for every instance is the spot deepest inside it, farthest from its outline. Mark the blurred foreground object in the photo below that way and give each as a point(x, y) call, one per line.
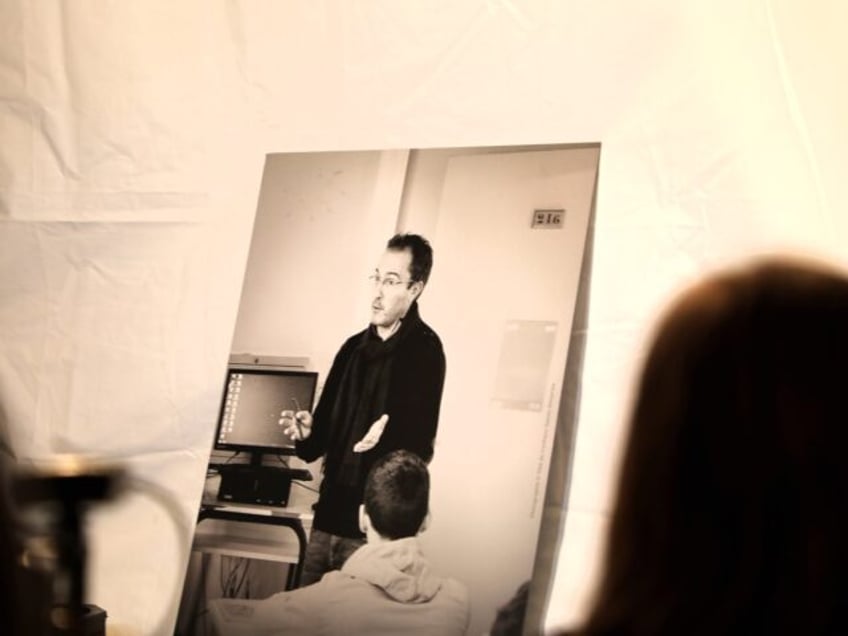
point(731, 513)
point(51, 500)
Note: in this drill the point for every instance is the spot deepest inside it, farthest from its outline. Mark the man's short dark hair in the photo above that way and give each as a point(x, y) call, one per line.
point(422, 254)
point(397, 493)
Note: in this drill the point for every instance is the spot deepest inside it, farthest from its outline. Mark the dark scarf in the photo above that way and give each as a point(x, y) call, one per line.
point(363, 395)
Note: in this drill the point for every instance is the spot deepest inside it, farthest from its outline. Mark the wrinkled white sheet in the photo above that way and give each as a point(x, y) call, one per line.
point(132, 139)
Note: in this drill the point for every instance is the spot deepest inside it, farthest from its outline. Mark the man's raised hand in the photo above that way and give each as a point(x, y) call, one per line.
point(297, 425)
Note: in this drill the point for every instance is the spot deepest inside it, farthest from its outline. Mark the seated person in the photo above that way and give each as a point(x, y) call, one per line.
point(731, 514)
point(509, 621)
point(385, 587)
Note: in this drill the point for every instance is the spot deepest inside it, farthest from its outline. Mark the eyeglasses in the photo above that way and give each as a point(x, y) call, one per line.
point(387, 283)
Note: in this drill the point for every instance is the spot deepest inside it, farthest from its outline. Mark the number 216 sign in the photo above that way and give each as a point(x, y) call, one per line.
point(548, 219)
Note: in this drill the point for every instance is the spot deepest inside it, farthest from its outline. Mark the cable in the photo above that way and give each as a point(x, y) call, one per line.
point(241, 583)
point(237, 576)
point(221, 582)
point(304, 486)
point(231, 564)
point(200, 606)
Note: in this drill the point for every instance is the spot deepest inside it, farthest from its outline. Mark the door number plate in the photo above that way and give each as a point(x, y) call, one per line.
point(548, 219)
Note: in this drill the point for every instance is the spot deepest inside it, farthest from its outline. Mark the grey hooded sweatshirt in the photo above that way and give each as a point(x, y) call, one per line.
point(384, 588)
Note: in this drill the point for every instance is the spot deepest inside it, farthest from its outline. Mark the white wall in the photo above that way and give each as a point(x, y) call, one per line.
point(723, 134)
point(492, 270)
point(321, 223)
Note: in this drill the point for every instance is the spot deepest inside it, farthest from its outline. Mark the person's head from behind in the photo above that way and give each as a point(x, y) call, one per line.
point(731, 506)
point(400, 277)
point(396, 499)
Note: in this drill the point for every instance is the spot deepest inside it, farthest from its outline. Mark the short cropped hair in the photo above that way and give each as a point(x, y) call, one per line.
point(422, 254)
point(397, 493)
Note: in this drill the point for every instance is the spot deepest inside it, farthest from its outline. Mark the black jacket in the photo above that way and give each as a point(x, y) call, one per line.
point(411, 396)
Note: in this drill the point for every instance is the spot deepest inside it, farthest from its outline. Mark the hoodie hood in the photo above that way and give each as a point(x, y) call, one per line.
point(397, 567)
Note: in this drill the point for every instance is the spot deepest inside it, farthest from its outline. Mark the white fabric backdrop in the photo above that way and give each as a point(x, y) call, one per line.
point(132, 140)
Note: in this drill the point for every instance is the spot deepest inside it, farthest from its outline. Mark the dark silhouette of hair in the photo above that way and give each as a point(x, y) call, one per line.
point(730, 515)
point(422, 254)
point(509, 620)
point(397, 493)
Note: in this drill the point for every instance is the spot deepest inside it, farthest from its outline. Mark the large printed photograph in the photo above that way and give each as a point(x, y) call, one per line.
point(393, 392)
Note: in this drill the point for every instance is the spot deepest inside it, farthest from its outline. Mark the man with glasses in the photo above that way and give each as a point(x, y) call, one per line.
point(382, 394)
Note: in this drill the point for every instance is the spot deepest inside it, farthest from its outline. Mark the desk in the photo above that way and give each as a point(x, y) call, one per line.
point(297, 517)
point(255, 548)
point(244, 530)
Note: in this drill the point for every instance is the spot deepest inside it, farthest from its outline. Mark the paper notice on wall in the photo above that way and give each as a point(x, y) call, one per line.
point(525, 357)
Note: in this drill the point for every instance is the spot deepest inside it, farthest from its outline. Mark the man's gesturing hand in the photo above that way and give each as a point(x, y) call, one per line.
point(297, 425)
point(372, 436)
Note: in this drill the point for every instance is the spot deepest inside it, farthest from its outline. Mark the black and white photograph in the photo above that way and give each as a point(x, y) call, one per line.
point(430, 294)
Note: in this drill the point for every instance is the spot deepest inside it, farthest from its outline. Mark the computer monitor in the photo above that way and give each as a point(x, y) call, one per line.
point(252, 401)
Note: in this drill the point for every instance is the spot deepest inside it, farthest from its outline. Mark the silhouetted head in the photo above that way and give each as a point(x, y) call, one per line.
point(730, 514)
point(397, 493)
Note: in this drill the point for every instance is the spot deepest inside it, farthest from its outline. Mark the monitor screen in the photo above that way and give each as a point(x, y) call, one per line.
point(251, 405)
